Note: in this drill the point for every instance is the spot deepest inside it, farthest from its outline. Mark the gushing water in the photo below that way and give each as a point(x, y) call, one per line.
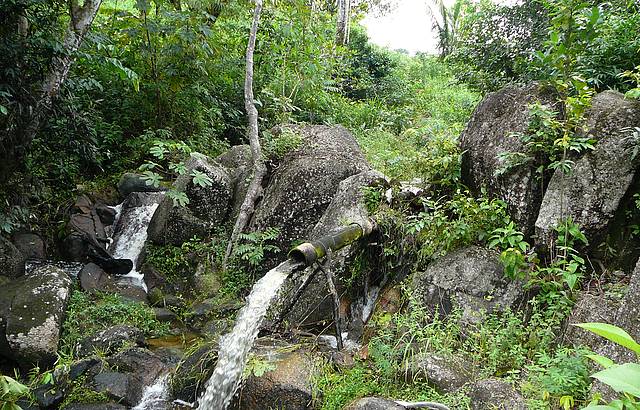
point(156, 396)
point(235, 346)
point(131, 234)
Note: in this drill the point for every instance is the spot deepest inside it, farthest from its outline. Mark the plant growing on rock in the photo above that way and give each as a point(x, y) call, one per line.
point(169, 163)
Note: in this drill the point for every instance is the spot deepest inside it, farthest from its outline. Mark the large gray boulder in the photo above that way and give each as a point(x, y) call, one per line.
point(590, 308)
point(305, 182)
point(591, 194)
point(472, 279)
point(347, 206)
point(491, 132)
point(11, 259)
point(208, 206)
point(32, 309)
point(238, 162)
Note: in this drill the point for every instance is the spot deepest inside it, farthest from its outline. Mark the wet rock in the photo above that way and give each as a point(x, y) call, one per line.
point(94, 279)
point(489, 133)
point(305, 182)
point(32, 309)
point(110, 340)
point(30, 245)
point(471, 278)
point(121, 387)
point(288, 386)
point(131, 182)
point(592, 192)
point(11, 259)
point(47, 395)
point(165, 315)
point(136, 369)
point(208, 206)
point(495, 394)
point(106, 214)
point(239, 164)
point(192, 373)
point(80, 367)
point(347, 206)
point(96, 406)
point(374, 403)
point(446, 374)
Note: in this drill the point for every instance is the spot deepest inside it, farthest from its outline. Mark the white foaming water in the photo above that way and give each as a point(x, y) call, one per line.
point(132, 234)
point(235, 346)
point(156, 396)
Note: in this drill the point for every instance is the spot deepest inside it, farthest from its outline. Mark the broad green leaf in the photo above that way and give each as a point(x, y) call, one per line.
point(3, 109)
point(201, 179)
point(623, 379)
point(151, 178)
point(601, 360)
point(612, 333)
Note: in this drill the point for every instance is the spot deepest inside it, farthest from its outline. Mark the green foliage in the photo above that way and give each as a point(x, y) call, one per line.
point(90, 313)
point(634, 78)
point(80, 392)
point(562, 378)
point(623, 378)
point(257, 367)
point(11, 391)
point(448, 223)
point(513, 246)
point(549, 139)
point(169, 163)
point(252, 246)
point(495, 43)
point(276, 147)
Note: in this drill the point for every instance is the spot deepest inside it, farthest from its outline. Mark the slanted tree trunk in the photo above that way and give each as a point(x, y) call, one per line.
point(259, 168)
point(79, 24)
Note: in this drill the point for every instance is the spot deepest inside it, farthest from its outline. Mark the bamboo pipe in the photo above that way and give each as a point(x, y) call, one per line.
point(310, 252)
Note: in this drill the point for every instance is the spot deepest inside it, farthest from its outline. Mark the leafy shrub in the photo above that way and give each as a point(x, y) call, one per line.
point(623, 378)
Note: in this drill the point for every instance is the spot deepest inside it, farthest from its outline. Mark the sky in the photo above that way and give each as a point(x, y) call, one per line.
point(408, 27)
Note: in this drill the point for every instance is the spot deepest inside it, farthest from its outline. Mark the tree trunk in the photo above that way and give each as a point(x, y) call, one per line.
point(259, 168)
point(79, 24)
point(342, 27)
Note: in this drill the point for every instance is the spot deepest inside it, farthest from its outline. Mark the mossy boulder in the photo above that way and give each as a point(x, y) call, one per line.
point(33, 309)
point(493, 130)
point(304, 183)
point(471, 279)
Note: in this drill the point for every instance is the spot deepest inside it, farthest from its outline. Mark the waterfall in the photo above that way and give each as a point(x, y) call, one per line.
point(235, 346)
point(155, 396)
point(131, 231)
